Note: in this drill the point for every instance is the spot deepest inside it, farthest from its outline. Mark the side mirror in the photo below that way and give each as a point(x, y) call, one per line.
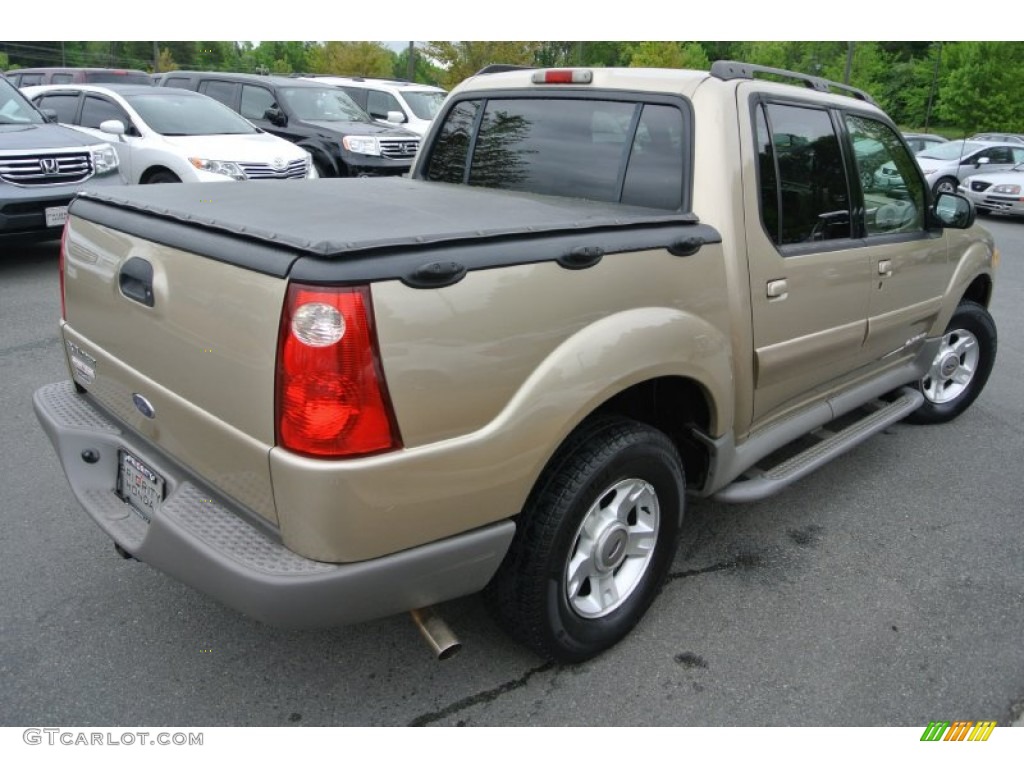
point(276, 116)
point(983, 161)
point(115, 127)
point(49, 115)
point(396, 116)
point(953, 211)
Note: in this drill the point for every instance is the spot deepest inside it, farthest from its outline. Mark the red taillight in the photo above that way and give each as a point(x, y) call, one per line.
point(60, 269)
point(578, 76)
point(331, 397)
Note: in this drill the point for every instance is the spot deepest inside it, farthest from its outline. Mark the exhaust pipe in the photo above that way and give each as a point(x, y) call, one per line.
point(435, 631)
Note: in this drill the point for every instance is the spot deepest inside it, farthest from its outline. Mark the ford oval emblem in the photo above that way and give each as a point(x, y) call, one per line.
point(145, 407)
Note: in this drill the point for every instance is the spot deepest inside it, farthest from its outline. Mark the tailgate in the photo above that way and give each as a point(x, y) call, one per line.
point(196, 338)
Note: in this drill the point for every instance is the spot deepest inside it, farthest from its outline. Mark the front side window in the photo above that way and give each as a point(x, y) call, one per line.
point(894, 194)
point(800, 157)
point(614, 151)
point(256, 101)
point(378, 104)
point(221, 91)
point(64, 104)
point(96, 109)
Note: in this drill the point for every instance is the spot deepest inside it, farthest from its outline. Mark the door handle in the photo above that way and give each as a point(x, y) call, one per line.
point(885, 268)
point(777, 290)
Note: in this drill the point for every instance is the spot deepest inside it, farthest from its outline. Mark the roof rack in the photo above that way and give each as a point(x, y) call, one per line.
point(736, 70)
point(492, 69)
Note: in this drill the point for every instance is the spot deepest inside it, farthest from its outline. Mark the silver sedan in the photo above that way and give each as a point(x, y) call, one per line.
point(999, 192)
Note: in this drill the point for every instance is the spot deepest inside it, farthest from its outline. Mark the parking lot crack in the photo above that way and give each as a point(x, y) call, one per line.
point(481, 698)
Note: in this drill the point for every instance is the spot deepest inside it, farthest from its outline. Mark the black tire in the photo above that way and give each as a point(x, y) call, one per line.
point(960, 368)
point(604, 463)
point(945, 184)
point(162, 177)
point(983, 211)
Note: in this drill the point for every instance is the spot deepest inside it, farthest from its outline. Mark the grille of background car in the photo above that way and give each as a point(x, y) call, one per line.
point(28, 170)
point(399, 148)
point(979, 186)
point(296, 169)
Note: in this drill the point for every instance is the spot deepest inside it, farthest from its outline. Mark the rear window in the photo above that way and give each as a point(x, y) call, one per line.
point(118, 77)
point(612, 151)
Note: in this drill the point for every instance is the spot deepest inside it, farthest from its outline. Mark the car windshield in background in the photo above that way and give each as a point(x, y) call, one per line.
point(114, 77)
point(14, 109)
point(951, 150)
point(328, 104)
point(424, 104)
point(187, 114)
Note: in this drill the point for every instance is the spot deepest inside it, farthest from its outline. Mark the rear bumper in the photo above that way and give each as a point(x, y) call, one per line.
point(210, 543)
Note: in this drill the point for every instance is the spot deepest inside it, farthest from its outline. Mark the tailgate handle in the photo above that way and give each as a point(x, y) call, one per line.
point(136, 280)
point(436, 274)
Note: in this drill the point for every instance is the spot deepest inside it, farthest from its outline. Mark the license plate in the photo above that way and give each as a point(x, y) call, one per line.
point(55, 217)
point(139, 485)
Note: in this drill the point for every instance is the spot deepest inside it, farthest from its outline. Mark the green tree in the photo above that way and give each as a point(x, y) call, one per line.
point(370, 59)
point(668, 54)
point(424, 71)
point(981, 86)
point(465, 58)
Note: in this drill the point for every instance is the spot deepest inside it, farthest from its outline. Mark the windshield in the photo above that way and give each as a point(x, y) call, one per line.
point(325, 104)
point(14, 109)
point(424, 104)
point(951, 150)
point(183, 113)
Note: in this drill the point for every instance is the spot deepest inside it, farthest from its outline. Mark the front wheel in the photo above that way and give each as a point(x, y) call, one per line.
point(945, 184)
point(961, 366)
point(594, 542)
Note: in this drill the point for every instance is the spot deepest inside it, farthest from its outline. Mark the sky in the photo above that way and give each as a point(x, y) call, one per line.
point(512, 20)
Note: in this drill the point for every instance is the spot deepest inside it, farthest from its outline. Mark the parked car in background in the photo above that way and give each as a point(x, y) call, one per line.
point(946, 165)
point(1015, 138)
point(396, 103)
point(170, 134)
point(321, 119)
point(996, 192)
point(59, 75)
point(43, 166)
point(920, 141)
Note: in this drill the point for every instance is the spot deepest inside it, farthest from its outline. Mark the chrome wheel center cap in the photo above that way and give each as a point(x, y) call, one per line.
point(611, 547)
point(949, 365)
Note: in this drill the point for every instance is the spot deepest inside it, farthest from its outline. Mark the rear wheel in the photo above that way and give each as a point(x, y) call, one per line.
point(594, 542)
point(961, 366)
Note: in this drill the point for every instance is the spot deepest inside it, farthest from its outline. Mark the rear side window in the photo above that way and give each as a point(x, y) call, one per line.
point(614, 151)
point(804, 191)
point(33, 79)
point(178, 82)
point(61, 78)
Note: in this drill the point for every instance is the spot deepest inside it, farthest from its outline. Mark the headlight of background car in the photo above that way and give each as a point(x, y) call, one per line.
point(361, 145)
point(104, 159)
point(223, 167)
point(1006, 189)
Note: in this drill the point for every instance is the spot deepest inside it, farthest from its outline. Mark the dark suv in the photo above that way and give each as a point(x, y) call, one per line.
point(60, 75)
point(43, 166)
point(321, 119)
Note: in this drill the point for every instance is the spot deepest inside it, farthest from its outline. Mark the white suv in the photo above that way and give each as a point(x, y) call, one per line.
point(392, 102)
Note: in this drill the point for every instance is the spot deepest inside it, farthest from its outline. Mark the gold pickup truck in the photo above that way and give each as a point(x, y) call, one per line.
point(599, 293)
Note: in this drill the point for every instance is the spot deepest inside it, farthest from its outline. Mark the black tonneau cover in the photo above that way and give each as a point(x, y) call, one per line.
point(344, 220)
